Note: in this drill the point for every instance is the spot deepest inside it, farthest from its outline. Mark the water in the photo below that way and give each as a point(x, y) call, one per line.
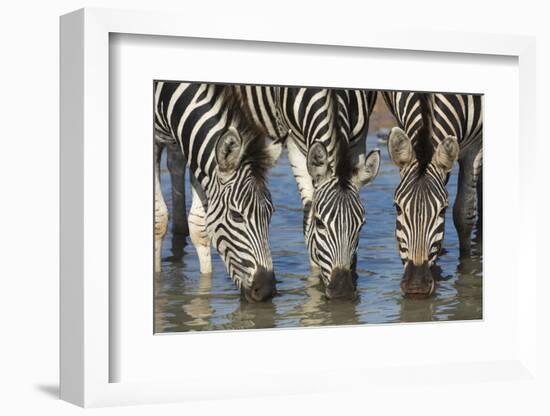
point(187, 301)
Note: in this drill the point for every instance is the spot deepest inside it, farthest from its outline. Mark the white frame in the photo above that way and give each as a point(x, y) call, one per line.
point(85, 183)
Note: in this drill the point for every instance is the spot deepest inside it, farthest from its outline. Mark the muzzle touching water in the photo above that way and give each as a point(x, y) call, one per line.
point(417, 281)
point(343, 284)
point(262, 288)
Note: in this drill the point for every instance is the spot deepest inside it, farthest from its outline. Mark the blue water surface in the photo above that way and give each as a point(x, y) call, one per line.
point(187, 301)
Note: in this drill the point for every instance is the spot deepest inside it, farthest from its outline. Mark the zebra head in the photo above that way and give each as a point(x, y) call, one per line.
point(238, 216)
point(420, 200)
point(336, 216)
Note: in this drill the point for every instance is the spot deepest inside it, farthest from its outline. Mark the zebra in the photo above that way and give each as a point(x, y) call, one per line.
point(228, 160)
point(435, 130)
point(325, 134)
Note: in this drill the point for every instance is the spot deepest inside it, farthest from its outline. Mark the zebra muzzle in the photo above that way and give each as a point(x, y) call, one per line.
point(262, 288)
point(343, 284)
point(417, 281)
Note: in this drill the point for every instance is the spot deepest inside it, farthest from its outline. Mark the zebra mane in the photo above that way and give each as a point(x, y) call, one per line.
point(344, 166)
point(256, 155)
point(344, 169)
point(423, 146)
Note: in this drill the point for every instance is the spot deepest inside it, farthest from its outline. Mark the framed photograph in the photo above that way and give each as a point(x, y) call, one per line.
point(283, 212)
point(317, 138)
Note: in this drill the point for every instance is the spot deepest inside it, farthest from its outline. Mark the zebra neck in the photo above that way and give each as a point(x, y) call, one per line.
point(261, 105)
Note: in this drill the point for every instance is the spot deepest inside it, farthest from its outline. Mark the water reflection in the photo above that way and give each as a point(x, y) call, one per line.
point(198, 308)
point(416, 310)
point(185, 300)
point(317, 310)
point(310, 309)
point(258, 315)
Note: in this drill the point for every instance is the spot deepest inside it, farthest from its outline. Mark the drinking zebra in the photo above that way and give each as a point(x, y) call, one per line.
point(325, 132)
point(437, 130)
point(228, 159)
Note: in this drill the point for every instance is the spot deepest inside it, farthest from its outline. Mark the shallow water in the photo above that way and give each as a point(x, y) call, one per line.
point(187, 301)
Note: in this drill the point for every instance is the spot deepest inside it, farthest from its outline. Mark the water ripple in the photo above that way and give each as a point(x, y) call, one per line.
point(185, 300)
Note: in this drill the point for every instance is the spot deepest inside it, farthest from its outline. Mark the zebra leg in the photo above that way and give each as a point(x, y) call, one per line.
point(180, 230)
point(478, 171)
point(161, 211)
point(464, 209)
point(197, 227)
point(298, 164)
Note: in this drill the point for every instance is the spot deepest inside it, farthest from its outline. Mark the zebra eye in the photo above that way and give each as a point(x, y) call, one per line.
point(398, 209)
point(319, 224)
point(236, 216)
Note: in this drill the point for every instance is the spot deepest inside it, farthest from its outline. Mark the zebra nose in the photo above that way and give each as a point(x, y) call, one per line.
point(343, 285)
point(417, 280)
point(262, 288)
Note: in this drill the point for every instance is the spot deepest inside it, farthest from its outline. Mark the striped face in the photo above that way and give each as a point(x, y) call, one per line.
point(238, 216)
point(335, 218)
point(420, 200)
point(238, 221)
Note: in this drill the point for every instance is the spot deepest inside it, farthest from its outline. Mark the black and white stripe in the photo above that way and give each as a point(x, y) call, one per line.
point(458, 115)
point(437, 129)
point(228, 159)
point(335, 122)
point(420, 222)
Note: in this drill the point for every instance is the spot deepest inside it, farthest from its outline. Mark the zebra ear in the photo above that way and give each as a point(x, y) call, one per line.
point(367, 170)
point(229, 149)
point(400, 148)
point(317, 163)
point(446, 153)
